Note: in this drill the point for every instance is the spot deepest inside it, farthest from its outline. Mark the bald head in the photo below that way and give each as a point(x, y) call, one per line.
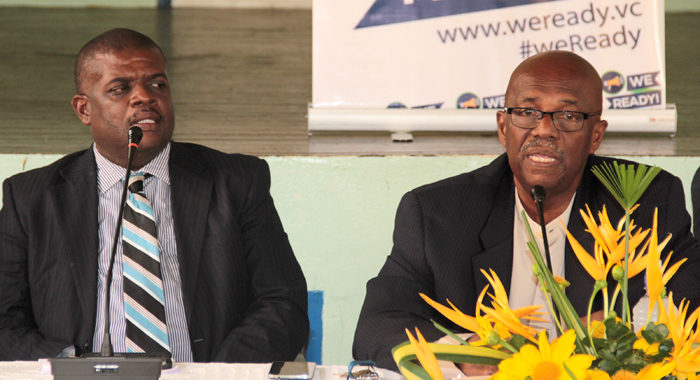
point(558, 66)
point(540, 153)
point(111, 41)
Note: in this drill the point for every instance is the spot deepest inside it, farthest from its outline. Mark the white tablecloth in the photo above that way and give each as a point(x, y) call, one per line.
point(187, 371)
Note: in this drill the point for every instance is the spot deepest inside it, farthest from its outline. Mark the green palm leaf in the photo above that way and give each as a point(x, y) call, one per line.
point(627, 184)
point(403, 355)
point(624, 182)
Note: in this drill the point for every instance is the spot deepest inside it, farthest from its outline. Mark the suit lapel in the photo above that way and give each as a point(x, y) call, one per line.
point(76, 203)
point(497, 237)
point(191, 189)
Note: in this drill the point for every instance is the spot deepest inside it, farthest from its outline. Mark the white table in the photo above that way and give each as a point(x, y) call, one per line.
point(25, 370)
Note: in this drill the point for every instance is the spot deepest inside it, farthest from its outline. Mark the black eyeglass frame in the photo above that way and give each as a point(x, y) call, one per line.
point(586, 116)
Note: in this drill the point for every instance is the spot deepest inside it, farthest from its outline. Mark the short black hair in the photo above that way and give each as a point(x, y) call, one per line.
point(114, 40)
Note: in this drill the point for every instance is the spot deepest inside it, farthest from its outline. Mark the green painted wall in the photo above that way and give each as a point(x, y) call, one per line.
point(339, 215)
point(682, 6)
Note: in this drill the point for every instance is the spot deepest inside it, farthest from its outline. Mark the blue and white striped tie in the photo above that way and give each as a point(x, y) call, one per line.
point(144, 299)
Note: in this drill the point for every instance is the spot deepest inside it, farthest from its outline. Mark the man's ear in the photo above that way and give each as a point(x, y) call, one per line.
point(81, 105)
point(597, 135)
point(501, 121)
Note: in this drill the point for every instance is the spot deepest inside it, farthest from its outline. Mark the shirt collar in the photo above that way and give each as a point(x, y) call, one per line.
point(558, 224)
point(109, 173)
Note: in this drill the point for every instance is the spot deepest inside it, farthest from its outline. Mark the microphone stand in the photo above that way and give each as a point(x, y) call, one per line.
point(538, 193)
point(105, 364)
point(135, 135)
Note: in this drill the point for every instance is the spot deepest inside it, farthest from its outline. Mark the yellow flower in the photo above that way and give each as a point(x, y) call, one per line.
point(679, 326)
point(609, 247)
point(455, 315)
point(642, 344)
point(624, 375)
point(685, 358)
point(500, 319)
point(478, 324)
point(594, 374)
point(654, 371)
point(547, 362)
point(597, 375)
point(598, 328)
point(503, 314)
point(426, 357)
point(605, 235)
point(594, 266)
point(656, 279)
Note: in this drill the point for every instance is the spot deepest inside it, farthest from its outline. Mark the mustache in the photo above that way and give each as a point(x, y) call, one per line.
point(543, 143)
point(148, 109)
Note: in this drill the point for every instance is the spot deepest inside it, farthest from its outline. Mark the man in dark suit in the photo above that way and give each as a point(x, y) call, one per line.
point(446, 232)
point(234, 291)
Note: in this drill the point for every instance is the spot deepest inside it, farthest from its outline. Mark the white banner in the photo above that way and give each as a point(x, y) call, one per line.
point(448, 54)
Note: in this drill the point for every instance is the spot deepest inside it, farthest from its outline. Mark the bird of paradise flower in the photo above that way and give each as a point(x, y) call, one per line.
point(494, 327)
point(568, 357)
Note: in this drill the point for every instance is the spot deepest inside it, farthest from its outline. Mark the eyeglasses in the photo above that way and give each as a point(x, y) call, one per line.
point(565, 121)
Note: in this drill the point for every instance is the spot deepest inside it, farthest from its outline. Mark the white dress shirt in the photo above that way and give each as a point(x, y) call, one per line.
point(525, 288)
point(157, 190)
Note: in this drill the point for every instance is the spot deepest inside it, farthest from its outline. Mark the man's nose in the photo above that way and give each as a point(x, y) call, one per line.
point(142, 95)
point(546, 128)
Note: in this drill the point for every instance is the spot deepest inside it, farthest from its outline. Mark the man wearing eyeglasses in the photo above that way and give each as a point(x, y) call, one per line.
point(448, 231)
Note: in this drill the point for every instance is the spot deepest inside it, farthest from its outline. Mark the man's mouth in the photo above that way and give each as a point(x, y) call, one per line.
point(541, 158)
point(146, 118)
point(146, 125)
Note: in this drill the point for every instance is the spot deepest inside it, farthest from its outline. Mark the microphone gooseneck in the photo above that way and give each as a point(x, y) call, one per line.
point(538, 194)
point(134, 138)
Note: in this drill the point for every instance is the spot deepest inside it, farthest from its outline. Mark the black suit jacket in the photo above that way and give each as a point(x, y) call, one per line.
point(447, 231)
point(243, 291)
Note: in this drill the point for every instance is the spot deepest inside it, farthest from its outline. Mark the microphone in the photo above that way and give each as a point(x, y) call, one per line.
point(123, 366)
point(538, 194)
point(134, 136)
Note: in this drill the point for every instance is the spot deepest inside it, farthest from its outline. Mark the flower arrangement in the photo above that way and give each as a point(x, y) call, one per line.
point(602, 350)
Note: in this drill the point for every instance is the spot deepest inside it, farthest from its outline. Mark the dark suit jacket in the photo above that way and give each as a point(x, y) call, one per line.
point(244, 293)
point(695, 200)
point(447, 231)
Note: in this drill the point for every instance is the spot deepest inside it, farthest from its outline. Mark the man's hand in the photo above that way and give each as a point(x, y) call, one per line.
point(596, 316)
point(476, 369)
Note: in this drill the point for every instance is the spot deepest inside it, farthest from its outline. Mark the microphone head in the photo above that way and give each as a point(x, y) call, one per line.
point(135, 135)
point(538, 193)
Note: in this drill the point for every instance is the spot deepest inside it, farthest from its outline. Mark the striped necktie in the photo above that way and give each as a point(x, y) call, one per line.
point(144, 299)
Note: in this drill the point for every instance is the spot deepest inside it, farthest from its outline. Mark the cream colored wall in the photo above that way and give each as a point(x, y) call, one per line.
point(339, 215)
